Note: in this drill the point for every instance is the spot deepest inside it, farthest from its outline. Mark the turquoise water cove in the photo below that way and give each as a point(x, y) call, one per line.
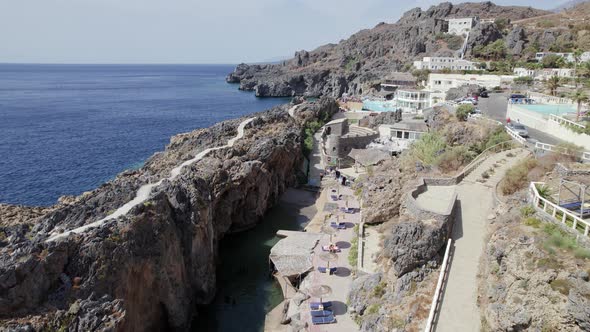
point(70, 128)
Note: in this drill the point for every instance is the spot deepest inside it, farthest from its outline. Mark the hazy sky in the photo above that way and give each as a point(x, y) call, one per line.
point(187, 31)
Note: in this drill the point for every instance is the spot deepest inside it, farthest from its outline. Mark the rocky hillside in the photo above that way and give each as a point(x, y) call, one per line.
point(359, 62)
point(148, 269)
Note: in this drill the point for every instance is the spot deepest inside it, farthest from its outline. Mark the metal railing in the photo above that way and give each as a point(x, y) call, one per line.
point(553, 209)
point(444, 269)
point(565, 122)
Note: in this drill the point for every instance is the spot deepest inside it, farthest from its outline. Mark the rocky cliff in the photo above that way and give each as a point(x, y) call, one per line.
point(150, 268)
point(356, 64)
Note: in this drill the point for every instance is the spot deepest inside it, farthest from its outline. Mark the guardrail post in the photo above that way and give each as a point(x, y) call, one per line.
point(574, 224)
point(563, 218)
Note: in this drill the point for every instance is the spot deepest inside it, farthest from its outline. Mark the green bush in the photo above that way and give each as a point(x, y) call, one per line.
point(498, 135)
point(527, 211)
point(379, 290)
point(428, 148)
point(525, 80)
point(463, 111)
point(533, 222)
point(353, 253)
point(309, 130)
point(453, 42)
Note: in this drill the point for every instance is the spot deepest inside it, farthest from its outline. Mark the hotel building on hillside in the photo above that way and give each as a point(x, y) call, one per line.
point(461, 26)
point(440, 84)
point(543, 74)
point(439, 63)
point(568, 56)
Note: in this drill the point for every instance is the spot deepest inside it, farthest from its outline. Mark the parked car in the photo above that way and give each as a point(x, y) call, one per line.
point(483, 94)
point(517, 96)
point(519, 129)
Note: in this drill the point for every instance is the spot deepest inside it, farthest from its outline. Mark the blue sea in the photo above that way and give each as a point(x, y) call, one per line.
point(65, 129)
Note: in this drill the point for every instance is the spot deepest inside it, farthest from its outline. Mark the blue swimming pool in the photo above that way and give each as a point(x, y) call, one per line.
point(379, 105)
point(546, 109)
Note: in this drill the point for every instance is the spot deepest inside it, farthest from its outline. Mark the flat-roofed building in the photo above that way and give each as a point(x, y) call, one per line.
point(439, 63)
point(412, 100)
point(461, 26)
point(440, 84)
point(567, 55)
point(543, 74)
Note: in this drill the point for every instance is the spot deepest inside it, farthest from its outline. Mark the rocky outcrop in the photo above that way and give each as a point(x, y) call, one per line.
point(356, 64)
point(527, 283)
point(150, 268)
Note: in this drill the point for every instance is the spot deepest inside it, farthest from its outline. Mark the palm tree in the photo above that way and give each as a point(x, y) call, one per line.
point(579, 97)
point(553, 83)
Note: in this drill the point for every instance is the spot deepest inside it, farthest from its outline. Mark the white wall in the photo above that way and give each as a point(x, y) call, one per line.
point(536, 121)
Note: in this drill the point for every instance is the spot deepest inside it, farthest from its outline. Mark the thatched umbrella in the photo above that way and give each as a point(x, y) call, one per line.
point(328, 257)
point(319, 291)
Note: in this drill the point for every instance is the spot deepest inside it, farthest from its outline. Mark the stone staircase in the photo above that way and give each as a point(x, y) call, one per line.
point(356, 131)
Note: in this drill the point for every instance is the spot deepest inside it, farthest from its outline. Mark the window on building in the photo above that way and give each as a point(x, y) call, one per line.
point(406, 135)
point(399, 134)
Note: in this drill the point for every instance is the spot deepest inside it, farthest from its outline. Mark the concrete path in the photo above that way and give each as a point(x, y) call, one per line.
point(459, 311)
point(339, 282)
point(143, 193)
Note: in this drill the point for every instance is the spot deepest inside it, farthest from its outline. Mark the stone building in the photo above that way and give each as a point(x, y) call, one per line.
point(340, 138)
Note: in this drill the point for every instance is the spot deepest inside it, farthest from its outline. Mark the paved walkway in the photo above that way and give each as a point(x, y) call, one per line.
point(339, 282)
point(459, 311)
point(315, 161)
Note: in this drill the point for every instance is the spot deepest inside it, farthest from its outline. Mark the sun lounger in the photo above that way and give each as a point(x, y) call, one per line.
point(576, 207)
point(334, 249)
point(323, 320)
point(339, 225)
point(321, 313)
point(319, 305)
point(324, 270)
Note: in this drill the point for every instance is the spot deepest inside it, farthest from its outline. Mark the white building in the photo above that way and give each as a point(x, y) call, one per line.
point(461, 26)
point(440, 84)
point(399, 136)
point(439, 63)
point(543, 74)
point(568, 56)
point(411, 100)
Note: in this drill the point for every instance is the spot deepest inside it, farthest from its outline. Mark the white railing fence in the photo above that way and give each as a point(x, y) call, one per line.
point(558, 149)
point(515, 135)
point(568, 218)
point(444, 269)
point(565, 122)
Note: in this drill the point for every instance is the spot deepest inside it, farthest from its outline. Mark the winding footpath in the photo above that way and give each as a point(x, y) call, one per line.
point(143, 193)
point(459, 310)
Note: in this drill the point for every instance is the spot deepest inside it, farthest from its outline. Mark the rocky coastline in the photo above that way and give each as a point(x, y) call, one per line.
point(149, 269)
point(358, 64)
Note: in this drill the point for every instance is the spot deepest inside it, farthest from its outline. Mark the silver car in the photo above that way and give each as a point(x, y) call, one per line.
point(519, 129)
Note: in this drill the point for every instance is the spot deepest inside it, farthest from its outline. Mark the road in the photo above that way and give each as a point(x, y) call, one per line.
point(495, 108)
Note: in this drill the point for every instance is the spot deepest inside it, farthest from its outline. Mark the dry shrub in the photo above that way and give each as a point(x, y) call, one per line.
point(516, 178)
point(454, 158)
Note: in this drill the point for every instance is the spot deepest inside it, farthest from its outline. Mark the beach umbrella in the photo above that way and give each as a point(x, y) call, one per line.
point(328, 257)
point(319, 291)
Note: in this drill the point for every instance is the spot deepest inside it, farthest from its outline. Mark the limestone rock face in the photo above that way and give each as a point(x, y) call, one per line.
point(412, 243)
point(149, 269)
